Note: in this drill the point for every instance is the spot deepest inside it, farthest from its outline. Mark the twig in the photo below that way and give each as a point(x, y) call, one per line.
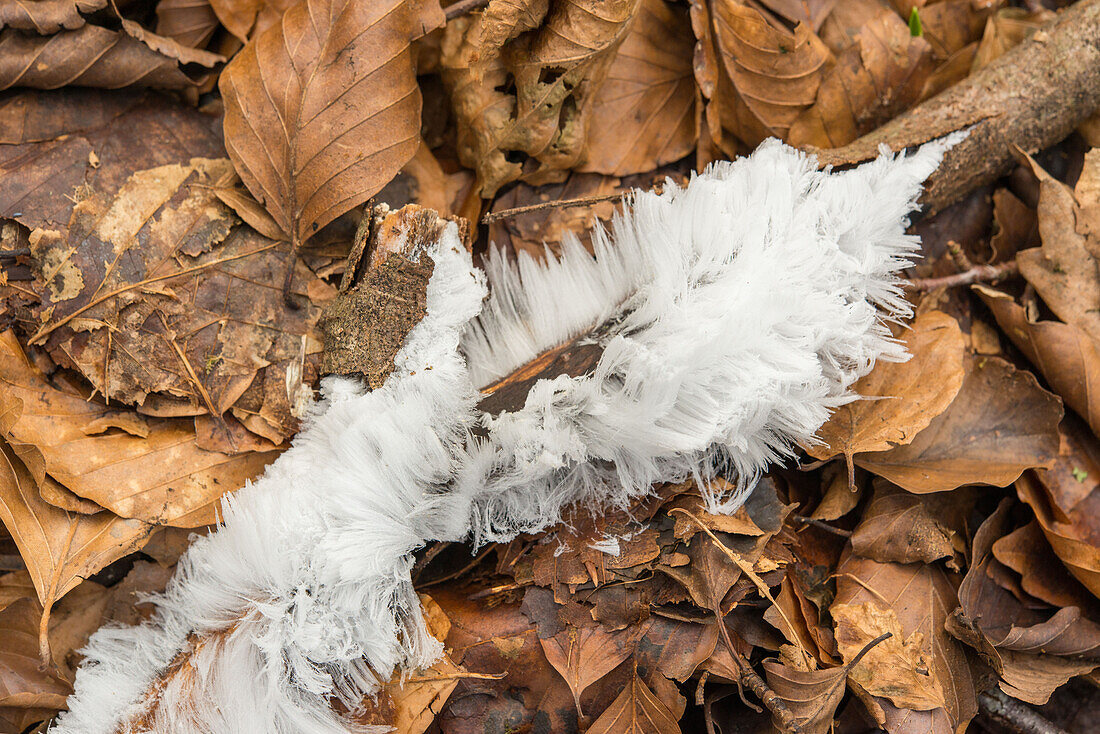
point(559, 204)
point(976, 274)
point(1015, 716)
point(821, 525)
point(759, 687)
point(462, 7)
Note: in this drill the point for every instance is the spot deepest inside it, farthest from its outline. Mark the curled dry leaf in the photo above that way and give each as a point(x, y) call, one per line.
point(247, 19)
point(645, 112)
point(1066, 356)
point(901, 527)
point(90, 56)
point(523, 80)
point(1066, 502)
point(170, 47)
point(920, 597)
point(1064, 269)
point(23, 681)
point(765, 77)
point(899, 399)
point(1026, 551)
point(163, 478)
point(45, 17)
point(309, 138)
point(1034, 651)
point(189, 22)
point(999, 424)
point(882, 74)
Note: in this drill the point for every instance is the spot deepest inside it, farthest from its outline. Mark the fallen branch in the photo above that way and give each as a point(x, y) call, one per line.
point(1032, 97)
point(1015, 716)
point(558, 204)
point(976, 274)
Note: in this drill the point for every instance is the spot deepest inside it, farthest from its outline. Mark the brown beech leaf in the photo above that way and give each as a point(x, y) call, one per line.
point(1005, 29)
point(23, 682)
point(1026, 551)
point(645, 113)
point(189, 22)
point(47, 16)
point(919, 597)
point(523, 79)
point(901, 527)
point(811, 695)
point(60, 548)
point(770, 75)
point(170, 47)
point(1064, 269)
point(1015, 226)
point(583, 655)
point(163, 478)
point(310, 138)
point(1066, 501)
point(1034, 651)
point(90, 56)
point(881, 75)
point(636, 711)
point(1067, 357)
point(899, 399)
point(999, 424)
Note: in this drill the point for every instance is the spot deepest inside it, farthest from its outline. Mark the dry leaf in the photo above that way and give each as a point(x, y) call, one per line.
point(246, 19)
point(811, 695)
point(583, 655)
point(1026, 551)
point(881, 75)
point(190, 22)
point(900, 399)
point(164, 478)
point(636, 711)
point(47, 16)
point(919, 597)
point(307, 136)
point(170, 47)
point(645, 112)
point(999, 424)
point(1006, 28)
point(60, 548)
point(770, 75)
point(901, 527)
point(523, 80)
point(1015, 226)
point(1066, 356)
point(31, 115)
point(23, 682)
point(90, 56)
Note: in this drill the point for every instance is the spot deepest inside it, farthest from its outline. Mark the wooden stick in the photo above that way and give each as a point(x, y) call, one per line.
point(976, 274)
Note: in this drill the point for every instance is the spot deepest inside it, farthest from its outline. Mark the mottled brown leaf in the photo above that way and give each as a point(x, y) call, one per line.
point(644, 114)
point(31, 116)
point(322, 109)
point(583, 655)
point(164, 478)
point(999, 424)
point(812, 696)
point(90, 56)
point(901, 527)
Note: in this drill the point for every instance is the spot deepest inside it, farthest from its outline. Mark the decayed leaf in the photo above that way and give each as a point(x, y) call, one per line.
point(873, 80)
point(308, 136)
point(170, 47)
point(90, 56)
point(644, 114)
point(31, 115)
point(59, 548)
point(920, 597)
point(1067, 357)
point(163, 478)
point(1034, 651)
point(1066, 501)
point(900, 527)
point(900, 399)
point(636, 711)
point(47, 16)
point(770, 75)
point(523, 80)
point(999, 424)
point(190, 22)
point(583, 655)
point(1064, 269)
point(812, 696)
